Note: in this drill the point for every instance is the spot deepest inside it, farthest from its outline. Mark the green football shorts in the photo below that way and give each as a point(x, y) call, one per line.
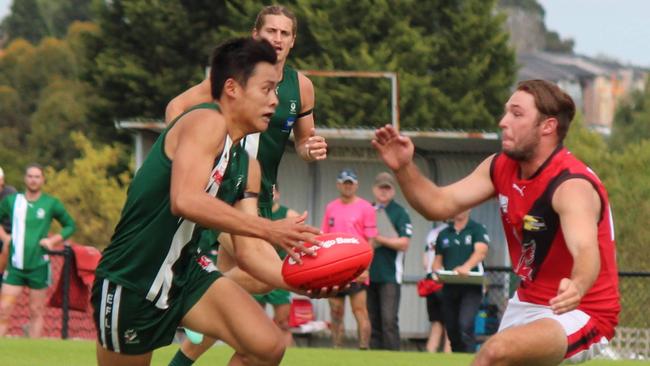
point(128, 323)
point(36, 278)
point(276, 297)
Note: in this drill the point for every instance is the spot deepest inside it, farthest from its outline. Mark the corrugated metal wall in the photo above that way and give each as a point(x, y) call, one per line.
point(312, 186)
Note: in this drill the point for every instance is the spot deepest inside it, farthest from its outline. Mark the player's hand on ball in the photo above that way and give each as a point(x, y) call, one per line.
point(325, 292)
point(568, 297)
point(394, 149)
point(292, 232)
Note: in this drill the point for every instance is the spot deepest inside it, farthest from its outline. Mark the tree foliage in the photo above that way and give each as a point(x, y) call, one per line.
point(89, 190)
point(34, 20)
point(452, 58)
point(43, 98)
point(632, 119)
point(454, 64)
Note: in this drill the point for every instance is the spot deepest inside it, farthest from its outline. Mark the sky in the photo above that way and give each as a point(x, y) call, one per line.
point(614, 28)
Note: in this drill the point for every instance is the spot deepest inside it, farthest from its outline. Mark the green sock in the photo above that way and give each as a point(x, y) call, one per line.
point(180, 360)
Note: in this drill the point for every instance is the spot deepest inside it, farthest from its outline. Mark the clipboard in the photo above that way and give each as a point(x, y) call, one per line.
point(385, 227)
point(452, 278)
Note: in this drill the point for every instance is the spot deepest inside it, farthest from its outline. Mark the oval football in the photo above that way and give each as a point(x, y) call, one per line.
point(340, 259)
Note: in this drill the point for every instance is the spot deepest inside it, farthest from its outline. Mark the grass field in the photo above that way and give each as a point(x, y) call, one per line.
point(49, 352)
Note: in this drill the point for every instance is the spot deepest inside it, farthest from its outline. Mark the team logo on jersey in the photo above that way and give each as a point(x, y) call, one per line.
point(40, 213)
point(445, 243)
point(408, 229)
point(206, 264)
point(131, 337)
point(468, 240)
point(292, 106)
point(503, 202)
point(519, 189)
point(534, 223)
point(524, 267)
point(288, 124)
point(330, 222)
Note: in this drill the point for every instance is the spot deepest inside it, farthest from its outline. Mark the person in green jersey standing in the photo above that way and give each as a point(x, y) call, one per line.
point(387, 267)
point(151, 279)
point(461, 247)
point(278, 25)
point(31, 215)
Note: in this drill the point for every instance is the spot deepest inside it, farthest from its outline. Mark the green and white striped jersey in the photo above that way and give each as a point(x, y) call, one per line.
point(151, 248)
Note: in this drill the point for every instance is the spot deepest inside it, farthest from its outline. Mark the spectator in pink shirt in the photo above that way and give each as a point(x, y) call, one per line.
point(350, 214)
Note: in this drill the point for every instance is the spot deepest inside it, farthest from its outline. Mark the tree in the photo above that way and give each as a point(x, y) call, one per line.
point(43, 98)
point(25, 21)
point(151, 51)
point(452, 58)
point(34, 20)
point(90, 192)
point(632, 120)
point(454, 64)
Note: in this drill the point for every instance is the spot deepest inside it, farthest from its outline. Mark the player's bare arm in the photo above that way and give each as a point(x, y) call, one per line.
point(52, 241)
point(431, 201)
point(579, 207)
point(480, 252)
point(4, 237)
point(4, 253)
point(191, 147)
point(197, 94)
point(309, 146)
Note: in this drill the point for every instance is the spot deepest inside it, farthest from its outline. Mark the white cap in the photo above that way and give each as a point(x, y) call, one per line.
point(2, 173)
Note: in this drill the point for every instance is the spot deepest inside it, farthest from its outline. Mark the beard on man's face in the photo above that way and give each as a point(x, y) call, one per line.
point(524, 152)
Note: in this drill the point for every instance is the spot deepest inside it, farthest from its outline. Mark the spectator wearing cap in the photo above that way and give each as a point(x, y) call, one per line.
point(5, 190)
point(350, 214)
point(392, 240)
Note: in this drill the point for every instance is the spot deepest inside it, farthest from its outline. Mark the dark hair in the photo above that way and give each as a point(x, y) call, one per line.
point(551, 101)
point(275, 10)
point(237, 58)
point(35, 165)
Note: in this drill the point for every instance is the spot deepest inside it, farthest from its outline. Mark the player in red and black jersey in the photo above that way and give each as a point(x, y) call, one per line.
point(558, 225)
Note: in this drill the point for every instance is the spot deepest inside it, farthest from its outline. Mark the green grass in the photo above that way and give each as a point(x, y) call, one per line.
point(51, 352)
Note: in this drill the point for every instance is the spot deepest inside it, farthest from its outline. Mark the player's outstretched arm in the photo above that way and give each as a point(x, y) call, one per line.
point(431, 201)
point(197, 94)
point(579, 207)
point(309, 146)
point(192, 145)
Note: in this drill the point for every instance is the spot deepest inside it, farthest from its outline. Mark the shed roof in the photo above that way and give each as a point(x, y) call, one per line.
point(432, 140)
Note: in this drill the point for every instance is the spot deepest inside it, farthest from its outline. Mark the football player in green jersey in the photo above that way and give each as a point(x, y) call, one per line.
point(278, 25)
point(31, 214)
point(150, 278)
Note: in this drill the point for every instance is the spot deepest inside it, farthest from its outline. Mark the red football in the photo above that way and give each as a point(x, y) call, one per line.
point(340, 259)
